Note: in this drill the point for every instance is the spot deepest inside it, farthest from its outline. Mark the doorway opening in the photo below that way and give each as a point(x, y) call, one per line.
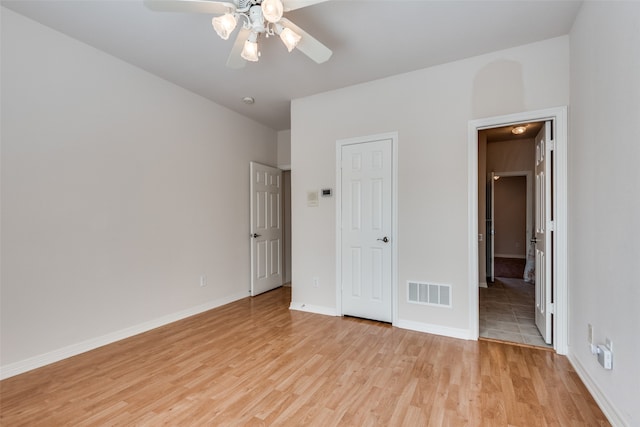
point(540, 298)
point(507, 298)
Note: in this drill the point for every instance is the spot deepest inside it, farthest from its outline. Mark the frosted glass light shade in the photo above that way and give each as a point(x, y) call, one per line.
point(290, 39)
point(250, 51)
point(272, 10)
point(224, 25)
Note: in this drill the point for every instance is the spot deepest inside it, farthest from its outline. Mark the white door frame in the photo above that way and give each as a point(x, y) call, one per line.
point(560, 293)
point(393, 136)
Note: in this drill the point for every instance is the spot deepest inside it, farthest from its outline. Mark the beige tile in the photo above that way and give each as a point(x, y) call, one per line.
point(507, 311)
point(503, 317)
point(506, 336)
point(503, 326)
point(529, 330)
point(533, 340)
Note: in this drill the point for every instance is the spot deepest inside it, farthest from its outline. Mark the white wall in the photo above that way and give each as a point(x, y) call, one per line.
point(115, 196)
point(604, 201)
point(284, 149)
point(430, 109)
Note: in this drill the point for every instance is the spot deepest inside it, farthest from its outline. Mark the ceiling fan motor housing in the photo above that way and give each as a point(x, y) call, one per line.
point(257, 20)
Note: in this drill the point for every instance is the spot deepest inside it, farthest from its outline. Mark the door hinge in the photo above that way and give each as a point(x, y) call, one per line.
point(551, 308)
point(552, 145)
point(551, 226)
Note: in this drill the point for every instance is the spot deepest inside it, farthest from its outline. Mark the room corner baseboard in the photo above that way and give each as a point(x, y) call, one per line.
point(483, 285)
point(433, 329)
point(607, 408)
point(309, 308)
point(41, 360)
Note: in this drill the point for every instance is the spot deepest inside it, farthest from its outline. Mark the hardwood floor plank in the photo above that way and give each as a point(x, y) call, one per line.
point(254, 362)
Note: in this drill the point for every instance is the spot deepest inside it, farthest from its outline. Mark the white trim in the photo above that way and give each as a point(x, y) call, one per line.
point(38, 361)
point(559, 116)
point(309, 308)
point(284, 167)
point(483, 285)
point(614, 417)
point(393, 136)
point(434, 329)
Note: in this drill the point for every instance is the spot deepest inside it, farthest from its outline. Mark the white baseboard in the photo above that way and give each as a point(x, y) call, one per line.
point(483, 285)
point(433, 329)
point(607, 408)
point(34, 362)
point(509, 256)
point(318, 309)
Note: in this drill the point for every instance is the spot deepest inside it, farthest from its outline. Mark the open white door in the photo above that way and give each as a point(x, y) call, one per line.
point(266, 228)
point(366, 247)
point(543, 229)
point(491, 231)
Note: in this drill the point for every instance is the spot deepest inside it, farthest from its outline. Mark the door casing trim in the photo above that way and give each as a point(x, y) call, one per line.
point(560, 279)
point(393, 136)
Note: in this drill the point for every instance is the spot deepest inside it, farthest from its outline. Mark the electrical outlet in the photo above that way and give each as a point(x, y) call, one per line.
point(316, 282)
point(609, 344)
point(203, 281)
point(605, 357)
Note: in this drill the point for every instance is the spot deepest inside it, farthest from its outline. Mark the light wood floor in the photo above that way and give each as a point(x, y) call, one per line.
point(254, 362)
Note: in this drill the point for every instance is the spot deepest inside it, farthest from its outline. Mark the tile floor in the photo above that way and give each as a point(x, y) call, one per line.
point(507, 312)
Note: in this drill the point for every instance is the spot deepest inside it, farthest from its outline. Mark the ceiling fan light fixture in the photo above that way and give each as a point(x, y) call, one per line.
point(250, 51)
point(224, 25)
point(272, 10)
point(290, 38)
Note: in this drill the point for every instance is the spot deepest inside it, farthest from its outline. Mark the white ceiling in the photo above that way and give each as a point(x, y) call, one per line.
point(369, 39)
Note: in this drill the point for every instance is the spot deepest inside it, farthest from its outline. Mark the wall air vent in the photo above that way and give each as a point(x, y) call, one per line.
point(429, 294)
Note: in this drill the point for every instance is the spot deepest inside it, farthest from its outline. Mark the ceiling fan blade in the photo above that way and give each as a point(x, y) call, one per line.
point(235, 60)
point(299, 4)
point(191, 6)
point(308, 45)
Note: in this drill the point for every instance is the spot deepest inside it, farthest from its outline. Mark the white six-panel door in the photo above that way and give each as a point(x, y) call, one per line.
point(366, 226)
point(543, 230)
point(266, 228)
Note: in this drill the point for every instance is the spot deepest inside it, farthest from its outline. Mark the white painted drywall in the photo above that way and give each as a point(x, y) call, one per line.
point(430, 110)
point(119, 190)
point(284, 149)
point(604, 200)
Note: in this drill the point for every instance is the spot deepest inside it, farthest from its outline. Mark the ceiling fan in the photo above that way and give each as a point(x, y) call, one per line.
point(257, 18)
